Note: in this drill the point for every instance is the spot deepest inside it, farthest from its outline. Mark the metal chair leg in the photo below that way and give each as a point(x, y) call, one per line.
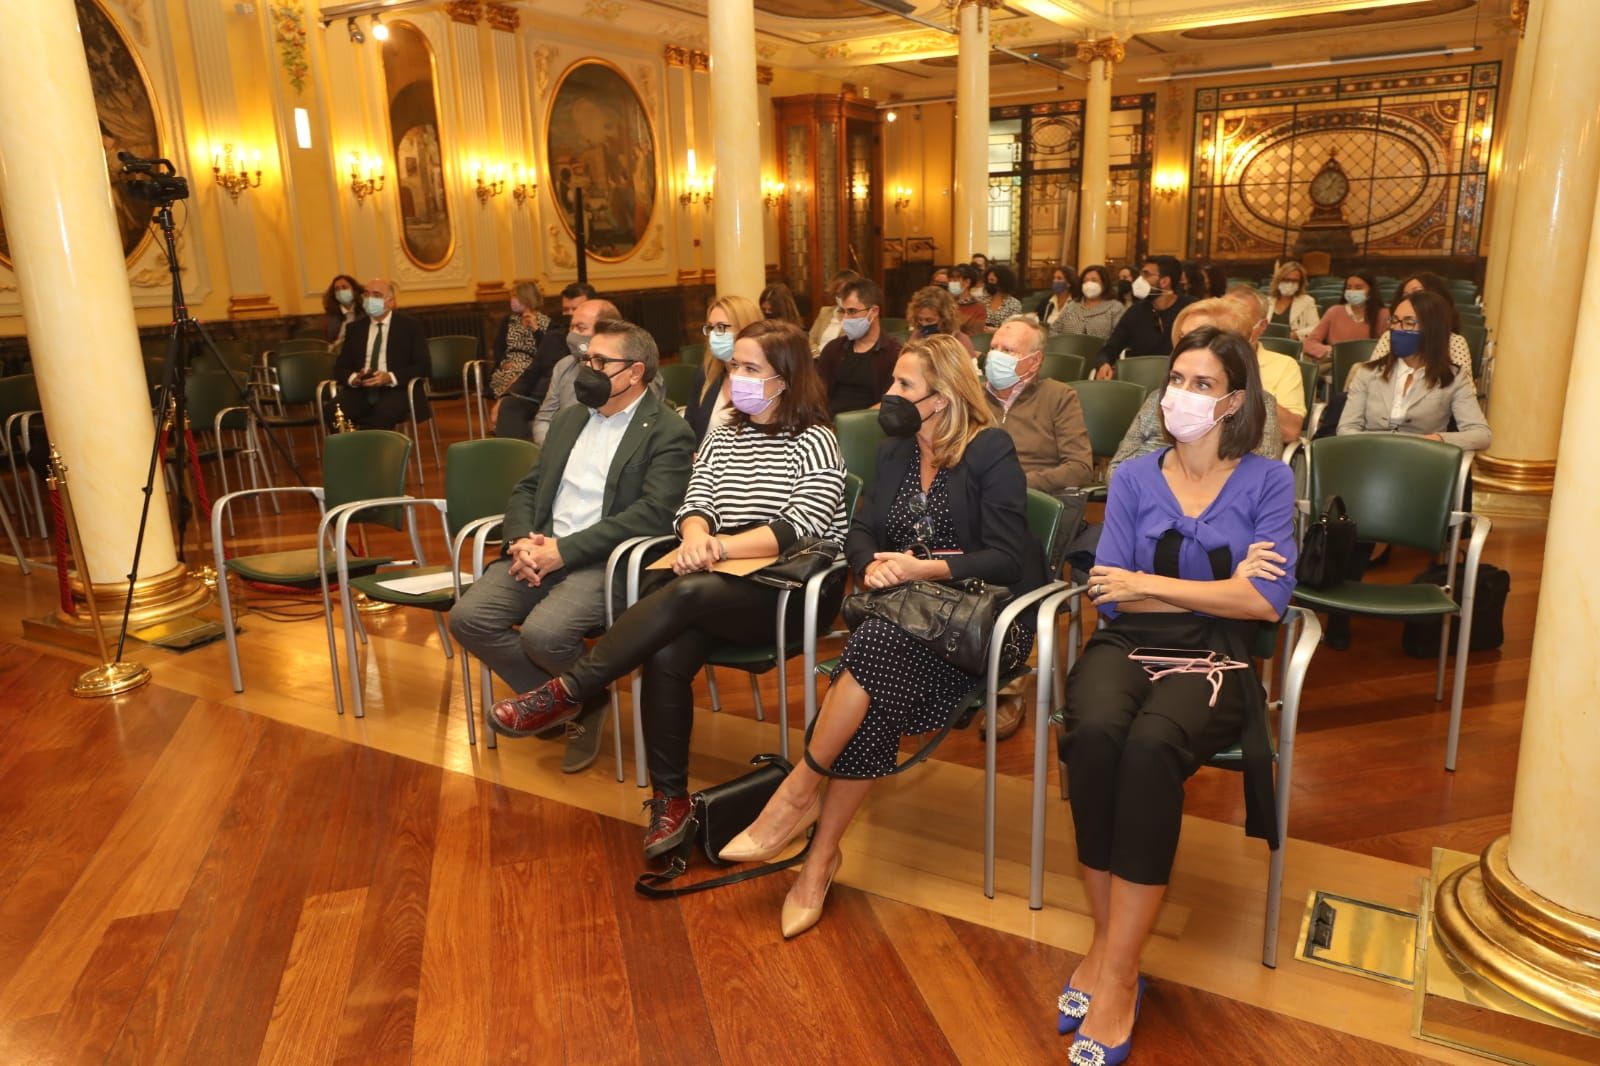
point(711, 686)
point(755, 696)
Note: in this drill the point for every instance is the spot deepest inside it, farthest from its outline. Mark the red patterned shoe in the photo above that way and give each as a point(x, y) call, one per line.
point(669, 823)
point(546, 706)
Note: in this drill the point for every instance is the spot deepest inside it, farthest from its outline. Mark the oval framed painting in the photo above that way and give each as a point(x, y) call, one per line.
point(427, 235)
point(599, 140)
point(126, 108)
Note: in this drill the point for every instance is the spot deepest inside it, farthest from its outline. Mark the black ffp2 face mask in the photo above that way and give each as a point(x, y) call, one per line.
point(899, 417)
point(593, 388)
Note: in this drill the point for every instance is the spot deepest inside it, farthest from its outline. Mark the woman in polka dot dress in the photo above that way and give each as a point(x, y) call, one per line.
point(948, 501)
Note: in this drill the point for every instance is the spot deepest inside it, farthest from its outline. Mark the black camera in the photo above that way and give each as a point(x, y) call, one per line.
point(154, 181)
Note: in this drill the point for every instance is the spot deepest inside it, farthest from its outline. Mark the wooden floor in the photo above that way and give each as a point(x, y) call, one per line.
point(193, 875)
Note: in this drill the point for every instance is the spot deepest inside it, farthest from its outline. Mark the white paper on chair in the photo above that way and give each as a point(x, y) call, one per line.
point(422, 584)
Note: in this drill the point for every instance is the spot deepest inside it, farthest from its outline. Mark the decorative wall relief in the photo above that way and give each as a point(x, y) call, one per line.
point(541, 67)
point(598, 139)
point(123, 101)
point(289, 33)
point(426, 233)
point(654, 248)
point(561, 248)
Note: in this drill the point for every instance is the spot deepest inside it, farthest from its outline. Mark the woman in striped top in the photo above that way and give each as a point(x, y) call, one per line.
point(771, 475)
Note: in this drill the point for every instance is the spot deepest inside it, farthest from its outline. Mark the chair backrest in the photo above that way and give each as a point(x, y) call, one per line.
point(206, 393)
point(233, 353)
point(1044, 519)
point(299, 344)
point(298, 374)
point(1277, 329)
point(1147, 371)
point(447, 356)
point(678, 380)
point(894, 325)
point(980, 342)
point(1347, 354)
point(1081, 344)
point(853, 488)
point(1109, 408)
point(366, 464)
point(692, 353)
point(19, 392)
point(1061, 367)
point(480, 474)
point(1283, 346)
point(155, 347)
point(859, 435)
point(1308, 380)
point(1400, 489)
point(1476, 336)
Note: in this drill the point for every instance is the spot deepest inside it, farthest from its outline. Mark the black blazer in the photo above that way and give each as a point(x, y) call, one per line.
point(698, 411)
point(407, 358)
point(988, 500)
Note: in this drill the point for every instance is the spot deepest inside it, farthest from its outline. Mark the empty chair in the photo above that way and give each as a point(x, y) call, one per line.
point(1061, 367)
point(1148, 371)
point(1079, 344)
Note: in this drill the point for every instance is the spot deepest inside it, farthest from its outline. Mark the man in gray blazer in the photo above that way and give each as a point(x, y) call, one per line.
point(614, 466)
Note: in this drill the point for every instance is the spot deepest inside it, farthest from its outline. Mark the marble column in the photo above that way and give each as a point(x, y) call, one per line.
point(1528, 916)
point(55, 193)
point(1100, 54)
point(1513, 124)
point(1549, 231)
point(970, 232)
point(737, 215)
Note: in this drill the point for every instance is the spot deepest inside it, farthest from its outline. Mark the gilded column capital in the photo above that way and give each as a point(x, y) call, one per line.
point(1109, 49)
point(1519, 15)
point(988, 5)
point(465, 11)
point(763, 75)
point(699, 62)
point(502, 17)
point(676, 55)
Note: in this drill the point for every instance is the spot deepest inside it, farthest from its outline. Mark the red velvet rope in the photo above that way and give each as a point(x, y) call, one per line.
point(67, 606)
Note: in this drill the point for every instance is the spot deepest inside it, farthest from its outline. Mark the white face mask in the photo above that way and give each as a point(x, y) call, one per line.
point(954, 287)
point(1091, 290)
point(1141, 288)
point(1287, 288)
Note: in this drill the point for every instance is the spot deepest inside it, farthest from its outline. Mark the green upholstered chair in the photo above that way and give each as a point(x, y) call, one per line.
point(1109, 408)
point(19, 401)
point(479, 477)
point(295, 394)
point(1283, 346)
point(678, 380)
point(235, 357)
point(859, 436)
point(1347, 354)
point(894, 325)
point(1277, 329)
point(692, 354)
point(1061, 367)
point(980, 342)
point(364, 465)
point(1403, 490)
point(1147, 371)
point(224, 428)
point(1477, 336)
point(1301, 633)
point(448, 360)
point(1079, 344)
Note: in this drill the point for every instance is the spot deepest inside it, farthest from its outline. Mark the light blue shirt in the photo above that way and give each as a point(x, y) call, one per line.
point(581, 497)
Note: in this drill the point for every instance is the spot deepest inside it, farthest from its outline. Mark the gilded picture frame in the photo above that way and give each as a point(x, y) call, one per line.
point(601, 138)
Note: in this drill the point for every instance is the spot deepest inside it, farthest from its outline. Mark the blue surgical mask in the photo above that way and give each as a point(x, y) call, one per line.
point(721, 345)
point(1059, 285)
point(374, 306)
point(856, 328)
point(1001, 370)
point(954, 287)
point(346, 297)
point(1405, 342)
point(1355, 297)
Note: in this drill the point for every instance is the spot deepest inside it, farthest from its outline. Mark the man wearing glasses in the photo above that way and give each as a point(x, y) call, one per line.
point(614, 465)
point(857, 366)
point(1146, 329)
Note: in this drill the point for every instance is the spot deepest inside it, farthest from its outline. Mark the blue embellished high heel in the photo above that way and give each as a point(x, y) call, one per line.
point(1087, 1052)
point(1071, 1006)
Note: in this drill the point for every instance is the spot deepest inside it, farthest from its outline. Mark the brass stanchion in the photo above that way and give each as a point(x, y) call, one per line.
point(109, 678)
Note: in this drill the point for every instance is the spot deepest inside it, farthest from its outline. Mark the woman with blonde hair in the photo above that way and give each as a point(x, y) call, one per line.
point(948, 502)
point(1290, 304)
point(712, 407)
point(932, 311)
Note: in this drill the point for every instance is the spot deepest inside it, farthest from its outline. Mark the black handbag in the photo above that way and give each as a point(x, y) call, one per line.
point(721, 813)
point(1420, 638)
point(1328, 548)
point(799, 563)
point(951, 619)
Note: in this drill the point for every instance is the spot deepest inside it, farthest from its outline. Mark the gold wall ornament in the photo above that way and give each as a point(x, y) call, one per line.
point(1519, 15)
point(465, 11)
point(763, 75)
point(675, 55)
point(110, 677)
point(1109, 49)
point(502, 17)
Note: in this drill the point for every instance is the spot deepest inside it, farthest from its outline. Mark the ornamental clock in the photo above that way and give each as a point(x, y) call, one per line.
point(1325, 228)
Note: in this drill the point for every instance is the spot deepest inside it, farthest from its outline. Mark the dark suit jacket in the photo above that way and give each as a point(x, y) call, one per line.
point(644, 486)
point(407, 357)
point(698, 412)
point(988, 500)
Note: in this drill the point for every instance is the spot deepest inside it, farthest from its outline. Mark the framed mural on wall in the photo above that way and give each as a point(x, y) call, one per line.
point(127, 112)
point(426, 234)
point(599, 139)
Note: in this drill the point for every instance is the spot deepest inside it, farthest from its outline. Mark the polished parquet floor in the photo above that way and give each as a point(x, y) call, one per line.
point(188, 874)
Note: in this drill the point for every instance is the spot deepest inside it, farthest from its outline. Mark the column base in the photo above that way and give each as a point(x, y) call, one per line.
point(1539, 951)
point(156, 599)
point(1532, 477)
point(252, 307)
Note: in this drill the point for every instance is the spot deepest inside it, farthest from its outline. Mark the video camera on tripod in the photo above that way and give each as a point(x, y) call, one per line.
point(154, 181)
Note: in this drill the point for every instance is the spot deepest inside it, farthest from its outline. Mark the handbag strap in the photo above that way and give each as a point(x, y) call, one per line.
point(649, 885)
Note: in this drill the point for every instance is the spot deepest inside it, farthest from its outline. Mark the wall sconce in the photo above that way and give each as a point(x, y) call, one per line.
point(366, 176)
point(228, 170)
point(771, 193)
point(902, 197)
point(696, 190)
point(494, 186)
point(527, 184)
point(1168, 185)
point(858, 189)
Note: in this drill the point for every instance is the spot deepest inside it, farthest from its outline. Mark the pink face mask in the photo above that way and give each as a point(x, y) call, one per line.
point(749, 394)
point(1188, 415)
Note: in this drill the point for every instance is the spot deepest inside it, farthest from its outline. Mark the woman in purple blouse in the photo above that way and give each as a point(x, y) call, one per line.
point(1197, 553)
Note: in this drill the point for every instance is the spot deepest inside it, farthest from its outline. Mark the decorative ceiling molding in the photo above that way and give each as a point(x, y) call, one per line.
point(503, 17)
point(467, 12)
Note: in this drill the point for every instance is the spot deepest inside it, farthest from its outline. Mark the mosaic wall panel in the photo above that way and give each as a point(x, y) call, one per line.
point(1414, 146)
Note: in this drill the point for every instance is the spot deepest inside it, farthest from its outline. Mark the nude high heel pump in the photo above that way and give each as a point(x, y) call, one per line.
point(743, 848)
point(797, 919)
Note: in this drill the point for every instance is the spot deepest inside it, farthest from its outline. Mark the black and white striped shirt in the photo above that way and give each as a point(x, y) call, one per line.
point(745, 478)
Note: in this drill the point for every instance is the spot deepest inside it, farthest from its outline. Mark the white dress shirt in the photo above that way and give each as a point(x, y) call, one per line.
point(581, 497)
point(1407, 376)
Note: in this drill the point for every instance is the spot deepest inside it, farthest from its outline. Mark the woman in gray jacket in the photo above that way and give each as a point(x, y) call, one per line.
point(1415, 388)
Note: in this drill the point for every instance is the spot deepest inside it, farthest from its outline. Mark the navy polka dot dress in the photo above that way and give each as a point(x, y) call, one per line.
point(911, 690)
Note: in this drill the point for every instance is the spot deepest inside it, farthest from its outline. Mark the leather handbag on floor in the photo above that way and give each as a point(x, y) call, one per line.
point(721, 813)
point(1420, 639)
point(951, 619)
point(1328, 548)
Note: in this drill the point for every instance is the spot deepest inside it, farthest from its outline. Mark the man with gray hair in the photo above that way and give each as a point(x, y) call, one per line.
point(614, 465)
point(1280, 374)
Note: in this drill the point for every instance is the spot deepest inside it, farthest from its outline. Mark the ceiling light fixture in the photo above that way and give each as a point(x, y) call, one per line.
point(380, 32)
point(356, 36)
point(1331, 61)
